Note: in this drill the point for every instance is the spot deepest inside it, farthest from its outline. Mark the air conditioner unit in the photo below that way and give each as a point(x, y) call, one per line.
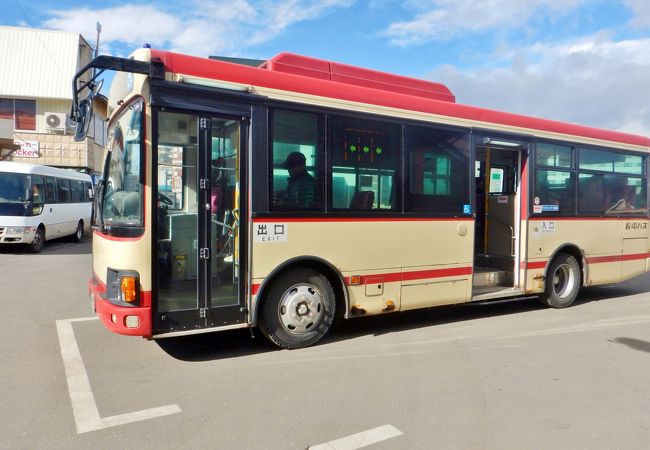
point(55, 121)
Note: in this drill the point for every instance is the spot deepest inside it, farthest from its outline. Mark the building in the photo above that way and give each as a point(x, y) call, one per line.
point(35, 99)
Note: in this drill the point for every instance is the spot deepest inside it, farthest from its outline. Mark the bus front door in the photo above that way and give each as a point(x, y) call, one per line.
point(200, 258)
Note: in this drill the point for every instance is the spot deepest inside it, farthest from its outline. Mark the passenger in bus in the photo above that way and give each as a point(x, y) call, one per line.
point(301, 189)
point(36, 194)
point(626, 196)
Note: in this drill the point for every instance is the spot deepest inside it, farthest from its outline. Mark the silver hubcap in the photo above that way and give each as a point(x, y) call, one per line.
point(301, 307)
point(563, 281)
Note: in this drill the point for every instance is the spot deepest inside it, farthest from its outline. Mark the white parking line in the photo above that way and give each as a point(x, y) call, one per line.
point(360, 440)
point(84, 407)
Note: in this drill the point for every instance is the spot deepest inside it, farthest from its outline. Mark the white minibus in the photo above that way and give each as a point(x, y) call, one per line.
point(39, 203)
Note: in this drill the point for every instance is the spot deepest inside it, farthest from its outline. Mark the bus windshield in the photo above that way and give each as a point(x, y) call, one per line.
point(15, 194)
point(122, 197)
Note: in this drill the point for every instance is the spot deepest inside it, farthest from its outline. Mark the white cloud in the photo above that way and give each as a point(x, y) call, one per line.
point(591, 81)
point(204, 27)
point(284, 13)
point(641, 10)
point(445, 19)
point(131, 24)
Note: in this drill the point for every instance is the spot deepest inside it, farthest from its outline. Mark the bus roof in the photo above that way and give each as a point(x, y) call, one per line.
point(39, 169)
point(311, 76)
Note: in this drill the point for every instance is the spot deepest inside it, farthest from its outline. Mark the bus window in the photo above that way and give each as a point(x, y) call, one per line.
point(555, 190)
point(122, 203)
point(77, 191)
point(88, 191)
point(50, 190)
point(63, 190)
point(38, 194)
point(38, 189)
point(170, 175)
point(438, 175)
point(295, 183)
point(365, 157)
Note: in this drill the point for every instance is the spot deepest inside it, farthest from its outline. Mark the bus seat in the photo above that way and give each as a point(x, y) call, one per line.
point(362, 200)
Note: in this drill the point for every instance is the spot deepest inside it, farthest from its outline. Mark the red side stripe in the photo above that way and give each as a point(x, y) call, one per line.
point(593, 260)
point(617, 258)
point(360, 219)
point(414, 275)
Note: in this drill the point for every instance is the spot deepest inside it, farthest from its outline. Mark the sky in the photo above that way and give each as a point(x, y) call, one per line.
point(580, 61)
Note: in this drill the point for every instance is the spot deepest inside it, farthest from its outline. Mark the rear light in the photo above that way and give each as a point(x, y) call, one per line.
point(129, 288)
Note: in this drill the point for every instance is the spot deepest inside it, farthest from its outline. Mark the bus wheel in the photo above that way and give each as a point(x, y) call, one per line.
point(298, 309)
point(79, 232)
point(38, 242)
point(562, 281)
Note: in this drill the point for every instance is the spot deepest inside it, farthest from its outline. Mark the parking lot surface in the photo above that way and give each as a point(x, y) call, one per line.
point(510, 375)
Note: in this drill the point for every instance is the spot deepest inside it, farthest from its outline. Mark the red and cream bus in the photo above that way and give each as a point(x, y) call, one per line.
point(282, 194)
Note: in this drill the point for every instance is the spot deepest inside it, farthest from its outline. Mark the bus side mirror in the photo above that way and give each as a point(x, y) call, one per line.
point(84, 117)
point(84, 113)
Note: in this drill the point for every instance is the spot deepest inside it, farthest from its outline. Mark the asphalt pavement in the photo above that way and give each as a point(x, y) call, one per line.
point(511, 375)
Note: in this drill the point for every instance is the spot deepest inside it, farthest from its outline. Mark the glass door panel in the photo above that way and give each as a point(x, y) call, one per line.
point(198, 192)
point(176, 209)
point(224, 217)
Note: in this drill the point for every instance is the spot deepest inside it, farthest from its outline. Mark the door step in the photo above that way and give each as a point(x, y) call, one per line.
point(496, 293)
point(490, 278)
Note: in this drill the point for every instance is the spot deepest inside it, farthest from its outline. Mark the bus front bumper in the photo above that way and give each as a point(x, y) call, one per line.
point(127, 320)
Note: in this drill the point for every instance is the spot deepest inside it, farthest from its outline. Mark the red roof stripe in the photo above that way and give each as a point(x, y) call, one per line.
point(220, 70)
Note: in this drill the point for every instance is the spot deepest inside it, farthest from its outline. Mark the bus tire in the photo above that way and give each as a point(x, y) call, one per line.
point(562, 282)
point(298, 309)
point(39, 240)
point(79, 232)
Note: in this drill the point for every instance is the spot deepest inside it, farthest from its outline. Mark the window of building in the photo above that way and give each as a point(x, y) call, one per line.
point(295, 182)
point(438, 173)
point(22, 112)
point(365, 159)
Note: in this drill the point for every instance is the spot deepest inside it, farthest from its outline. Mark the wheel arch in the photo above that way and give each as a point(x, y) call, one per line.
point(42, 226)
point(576, 252)
point(307, 261)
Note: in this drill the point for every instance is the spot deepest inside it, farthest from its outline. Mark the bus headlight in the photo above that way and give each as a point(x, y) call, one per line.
point(19, 230)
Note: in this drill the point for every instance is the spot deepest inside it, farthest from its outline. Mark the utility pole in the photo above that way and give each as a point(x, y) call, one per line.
point(99, 30)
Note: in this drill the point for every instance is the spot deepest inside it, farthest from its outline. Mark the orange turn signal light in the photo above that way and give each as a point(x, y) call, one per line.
point(128, 286)
point(355, 280)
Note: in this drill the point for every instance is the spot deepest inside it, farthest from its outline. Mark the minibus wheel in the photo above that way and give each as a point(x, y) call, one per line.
point(298, 309)
point(562, 281)
point(38, 242)
point(79, 232)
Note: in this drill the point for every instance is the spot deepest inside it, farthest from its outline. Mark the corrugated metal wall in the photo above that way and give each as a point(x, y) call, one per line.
point(39, 63)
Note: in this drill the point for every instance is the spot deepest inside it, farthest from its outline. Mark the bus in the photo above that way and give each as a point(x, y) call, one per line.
point(287, 193)
point(39, 203)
